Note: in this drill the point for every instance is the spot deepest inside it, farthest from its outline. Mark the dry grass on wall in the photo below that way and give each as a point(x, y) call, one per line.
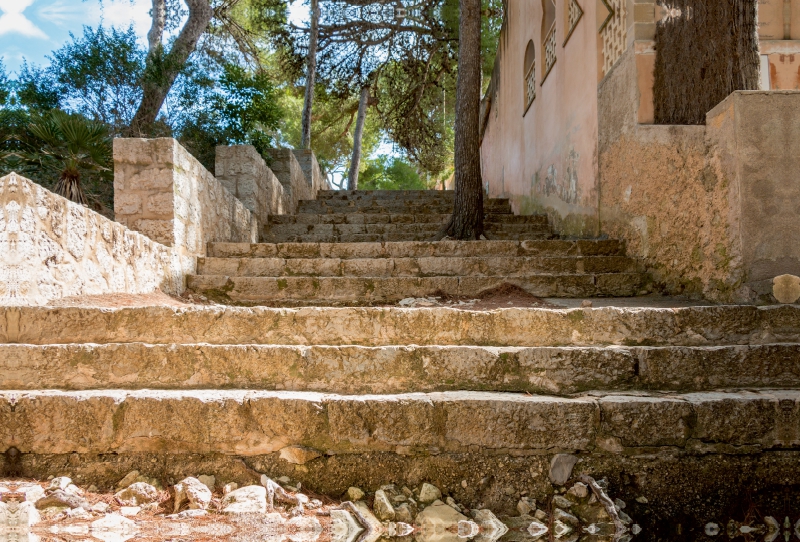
point(706, 49)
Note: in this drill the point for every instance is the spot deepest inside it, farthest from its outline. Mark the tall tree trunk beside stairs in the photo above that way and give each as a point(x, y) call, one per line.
point(467, 219)
point(355, 163)
point(163, 67)
point(310, 76)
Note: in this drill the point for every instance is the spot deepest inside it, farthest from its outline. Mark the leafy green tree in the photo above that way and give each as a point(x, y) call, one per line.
point(242, 108)
point(99, 75)
point(385, 173)
point(68, 146)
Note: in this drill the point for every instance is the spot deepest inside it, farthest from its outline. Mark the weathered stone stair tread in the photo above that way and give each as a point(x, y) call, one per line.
point(397, 369)
point(383, 218)
point(399, 237)
point(249, 423)
point(418, 249)
point(379, 326)
point(388, 194)
point(484, 266)
point(372, 290)
point(395, 207)
point(425, 228)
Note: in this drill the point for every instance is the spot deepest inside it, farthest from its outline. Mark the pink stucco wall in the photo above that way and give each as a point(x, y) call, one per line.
point(546, 160)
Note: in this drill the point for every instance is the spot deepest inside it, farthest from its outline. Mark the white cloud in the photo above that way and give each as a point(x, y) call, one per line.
point(117, 13)
point(122, 13)
point(13, 20)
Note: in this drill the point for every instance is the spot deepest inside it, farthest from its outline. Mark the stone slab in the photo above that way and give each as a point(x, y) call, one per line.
point(397, 369)
point(369, 290)
point(413, 267)
point(378, 326)
point(249, 423)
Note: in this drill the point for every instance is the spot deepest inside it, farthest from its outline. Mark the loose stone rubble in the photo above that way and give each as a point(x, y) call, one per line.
point(248, 513)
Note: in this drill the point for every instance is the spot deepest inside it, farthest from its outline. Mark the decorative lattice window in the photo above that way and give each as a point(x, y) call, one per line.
point(530, 86)
point(530, 75)
point(549, 52)
point(613, 33)
point(574, 14)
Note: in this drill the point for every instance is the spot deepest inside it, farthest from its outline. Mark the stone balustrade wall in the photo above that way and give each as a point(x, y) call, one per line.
point(52, 248)
point(296, 186)
point(163, 192)
point(242, 170)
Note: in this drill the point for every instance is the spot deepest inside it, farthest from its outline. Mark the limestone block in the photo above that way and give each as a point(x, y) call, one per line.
point(248, 499)
point(786, 288)
point(53, 248)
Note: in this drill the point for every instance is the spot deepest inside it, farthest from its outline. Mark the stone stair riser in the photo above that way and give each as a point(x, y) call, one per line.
point(249, 423)
point(369, 290)
point(315, 206)
point(380, 326)
point(412, 267)
point(379, 218)
point(390, 237)
point(387, 194)
point(397, 369)
point(412, 249)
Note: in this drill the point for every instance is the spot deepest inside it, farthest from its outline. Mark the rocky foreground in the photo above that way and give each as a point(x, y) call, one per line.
point(200, 509)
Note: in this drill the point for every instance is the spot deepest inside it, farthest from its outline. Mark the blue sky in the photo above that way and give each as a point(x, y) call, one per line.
point(31, 29)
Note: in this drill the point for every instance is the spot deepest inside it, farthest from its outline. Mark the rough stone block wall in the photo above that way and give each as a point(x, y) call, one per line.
point(662, 194)
point(289, 172)
point(52, 248)
point(242, 170)
point(164, 192)
point(308, 163)
point(753, 139)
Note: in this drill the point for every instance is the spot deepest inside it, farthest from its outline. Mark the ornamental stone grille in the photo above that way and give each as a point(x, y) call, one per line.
point(613, 33)
point(574, 15)
point(530, 86)
point(549, 51)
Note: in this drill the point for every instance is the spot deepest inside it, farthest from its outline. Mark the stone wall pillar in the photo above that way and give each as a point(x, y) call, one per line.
point(242, 170)
point(163, 192)
point(290, 174)
point(308, 163)
point(754, 141)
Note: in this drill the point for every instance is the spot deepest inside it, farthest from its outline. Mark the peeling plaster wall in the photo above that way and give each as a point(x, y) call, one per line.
point(546, 160)
point(51, 248)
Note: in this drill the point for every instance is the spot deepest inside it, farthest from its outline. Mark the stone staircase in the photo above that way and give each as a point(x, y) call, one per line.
point(340, 216)
point(660, 401)
point(672, 405)
point(366, 248)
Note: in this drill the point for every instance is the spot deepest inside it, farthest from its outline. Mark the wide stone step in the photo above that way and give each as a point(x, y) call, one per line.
point(397, 369)
point(292, 291)
point(381, 326)
point(383, 218)
point(393, 207)
point(483, 266)
point(249, 423)
point(399, 237)
point(385, 194)
point(419, 249)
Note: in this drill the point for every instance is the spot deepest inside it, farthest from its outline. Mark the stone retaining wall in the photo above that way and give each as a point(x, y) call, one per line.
point(52, 248)
point(296, 185)
point(242, 170)
point(164, 192)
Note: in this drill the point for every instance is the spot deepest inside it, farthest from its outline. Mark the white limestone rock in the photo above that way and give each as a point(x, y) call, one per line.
point(193, 491)
point(137, 494)
point(383, 507)
point(248, 499)
point(429, 493)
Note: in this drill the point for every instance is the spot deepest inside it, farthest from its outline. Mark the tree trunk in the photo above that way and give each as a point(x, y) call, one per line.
point(355, 163)
point(310, 76)
point(162, 69)
point(467, 219)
